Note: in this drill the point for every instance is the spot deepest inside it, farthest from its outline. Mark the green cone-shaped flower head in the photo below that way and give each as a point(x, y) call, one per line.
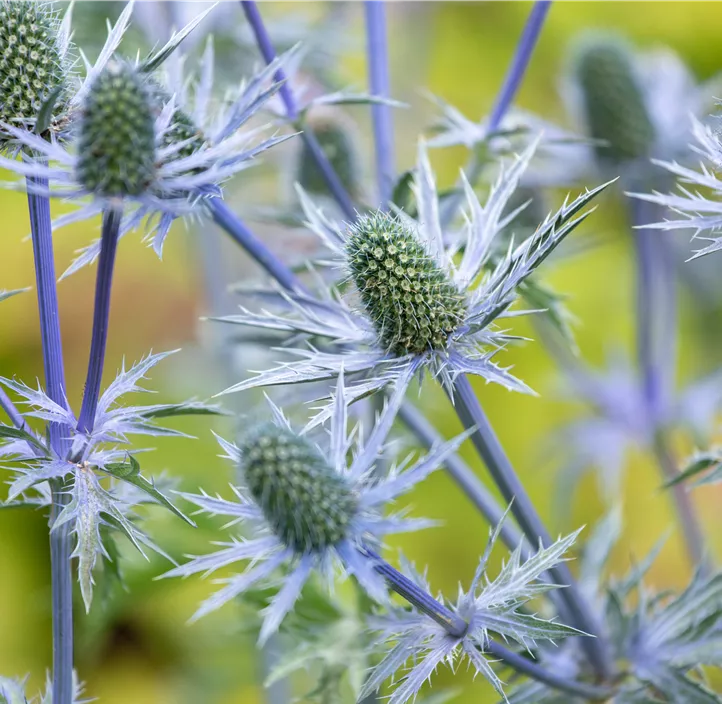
point(410, 298)
point(614, 104)
point(336, 139)
point(116, 140)
point(309, 505)
point(31, 63)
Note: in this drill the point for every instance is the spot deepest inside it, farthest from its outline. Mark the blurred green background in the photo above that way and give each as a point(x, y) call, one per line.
point(137, 647)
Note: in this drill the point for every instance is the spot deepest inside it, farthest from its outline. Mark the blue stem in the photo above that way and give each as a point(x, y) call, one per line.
point(519, 63)
point(457, 627)
point(500, 468)
point(225, 218)
point(507, 93)
point(265, 46)
point(656, 342)
point(60, 539)
point(379, 84)
point(101, 317)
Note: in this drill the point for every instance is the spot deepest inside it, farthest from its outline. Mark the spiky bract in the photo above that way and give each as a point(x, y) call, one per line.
point(309, 505)
point(116, 142)
point(31, 60)
point(614, 105)
point(337, 142)
point(411, 300)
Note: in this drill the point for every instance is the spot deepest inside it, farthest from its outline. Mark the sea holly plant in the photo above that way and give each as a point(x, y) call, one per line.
point(411, 308)
point(420, 280)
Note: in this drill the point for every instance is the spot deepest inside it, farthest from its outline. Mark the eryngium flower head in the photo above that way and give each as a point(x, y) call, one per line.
point(413, 302)
point(614, 105)
point(116, 135)
point(414, 309)
point(699, 200)
point(32, 61)
point(337, 140)
point(310, 508)
point(307, 502)
point(198, 145)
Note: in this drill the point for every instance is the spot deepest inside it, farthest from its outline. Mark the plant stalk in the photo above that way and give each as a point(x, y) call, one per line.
point(101, 317)
point(379, 83)
point(457, 627)
point(507, 93)
point(52, 348)
point(491, 452)
point(226, 219)
point(656, 343)
point(265, 46)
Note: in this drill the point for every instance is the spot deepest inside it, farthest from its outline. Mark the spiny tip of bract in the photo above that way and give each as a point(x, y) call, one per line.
point(614, 103)
point(411, 299)
point(116, 138)
point(31, 65)
point(335, 135)
point(309, 505)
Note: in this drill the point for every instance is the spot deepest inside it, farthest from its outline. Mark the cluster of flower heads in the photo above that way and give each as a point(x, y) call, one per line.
point(414, 297)
point(128, 134)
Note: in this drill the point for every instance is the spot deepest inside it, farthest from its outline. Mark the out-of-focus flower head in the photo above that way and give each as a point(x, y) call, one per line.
point(310, 508)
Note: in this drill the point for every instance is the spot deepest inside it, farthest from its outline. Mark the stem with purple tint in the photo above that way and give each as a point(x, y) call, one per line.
point(101, 316)
point(414, 420)
point(502, 472)
point(457, 627)
point(656, 345)
point(265, 46)
point(379, 84)
point(510, 87)
point(60, 539)
point(227, 220)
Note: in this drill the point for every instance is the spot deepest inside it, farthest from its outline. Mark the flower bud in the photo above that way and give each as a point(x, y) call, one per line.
point(116, 141)
point(335, 137)
point(614, 104)
point(411, 300)
point(308, 504)
point(31, 65)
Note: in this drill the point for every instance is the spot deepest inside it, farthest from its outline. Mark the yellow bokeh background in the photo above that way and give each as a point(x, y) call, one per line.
point(139, 648)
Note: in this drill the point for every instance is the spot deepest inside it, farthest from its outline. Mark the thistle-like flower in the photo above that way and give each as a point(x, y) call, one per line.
point(308, 507)
point(33, 62)
point(659, 639)
point(488, 607)
point(414, 309)
point(623, 420)
point(701, 211)
point(635, 106)
point(134, 141)
point(93, 504)
point(40, 92)
point(335, 134)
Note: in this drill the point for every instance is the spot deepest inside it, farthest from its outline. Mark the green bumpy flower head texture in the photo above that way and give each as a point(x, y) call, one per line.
point(31, 64)
point(614, 104)
point(308, 504)
point(116, 139)
point(411, 300)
